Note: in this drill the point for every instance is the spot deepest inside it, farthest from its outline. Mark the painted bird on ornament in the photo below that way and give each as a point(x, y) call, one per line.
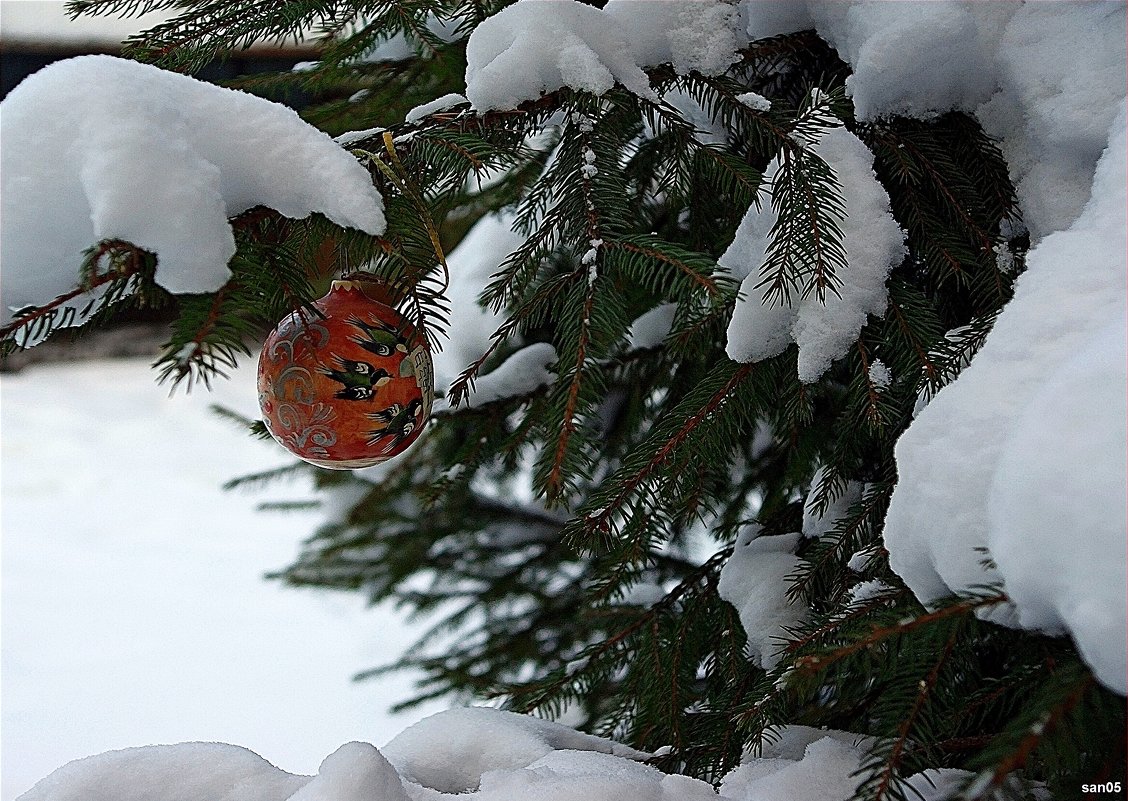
point(399, 421)
point(380, 338)
point(358, 380)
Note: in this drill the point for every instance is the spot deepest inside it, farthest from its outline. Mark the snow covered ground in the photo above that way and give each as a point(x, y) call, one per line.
point(133, 604)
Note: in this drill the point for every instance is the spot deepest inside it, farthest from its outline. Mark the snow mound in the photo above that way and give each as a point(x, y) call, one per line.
point(354, 772)
point(98, 147)
point(451, 751)
point(912, 59)
point(1023, 457)
point(806, 763)
point(538, 46)
point(182, 772)
point(477, 754)
point(823, 330)
point(1060, 69)
point(589, 776)
point(754, 580)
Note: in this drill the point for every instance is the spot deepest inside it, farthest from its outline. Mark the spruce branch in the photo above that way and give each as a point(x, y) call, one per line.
point(554, 484)
point(819, 662)
point(881, 785)
point(626, 486)
point(125, 260)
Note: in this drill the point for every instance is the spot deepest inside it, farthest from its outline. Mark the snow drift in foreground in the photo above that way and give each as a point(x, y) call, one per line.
point(476, 754)
point(1022, 457)
point(98, 147)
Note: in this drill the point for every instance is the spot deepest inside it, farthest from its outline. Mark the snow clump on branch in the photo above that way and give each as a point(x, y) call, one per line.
point(824, 330)
point(98, 147)
point(539, 46)
point(1023, 455)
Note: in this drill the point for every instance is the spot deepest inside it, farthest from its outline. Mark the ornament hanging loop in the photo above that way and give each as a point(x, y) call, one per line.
point(374, 287)
point(397, 175)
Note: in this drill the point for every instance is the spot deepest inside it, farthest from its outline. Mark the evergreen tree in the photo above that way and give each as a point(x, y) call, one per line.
point(568, 541)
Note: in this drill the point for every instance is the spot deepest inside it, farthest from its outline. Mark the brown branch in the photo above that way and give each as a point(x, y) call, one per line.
point(847, 534)
point(703, 572)
point(837, 623)
point(926, 685)
point(454, 147)
point(871, 390)
point(568, 425)
point(670, 445)
point(961, 744)
point(1017, 759)
point(821, 281)
point(703, 281)
point(930, 368)
point(103, 249)
point(984, 239)
point(818, 662)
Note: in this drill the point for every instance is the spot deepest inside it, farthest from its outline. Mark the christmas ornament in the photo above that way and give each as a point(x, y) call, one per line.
point(351, 387)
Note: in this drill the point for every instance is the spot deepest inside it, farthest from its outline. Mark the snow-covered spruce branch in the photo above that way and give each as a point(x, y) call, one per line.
point(126, 260)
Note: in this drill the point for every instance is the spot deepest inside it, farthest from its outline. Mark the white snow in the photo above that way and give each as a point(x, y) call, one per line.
point(754, 101)
point(98, 147)
point(1043, 78)
point(817, 524)
point(866, 591)
point(879, 374)
point(538, 46)
point(219, 772)
point(450, 751)
point(523, 372)
point(478, 754)
point(823, 330)
point(692, 35)
point(139, 614)
point(1024, 454)
point(860, 560)
point(354, 772)
point(1061, 76)
point(803, 764)
point(754, 580)
point(707, 129)
point(471, 264)
point(649, 330)
point(913, 59)
point(438, 104)
point(185, 771)
point(349, 138)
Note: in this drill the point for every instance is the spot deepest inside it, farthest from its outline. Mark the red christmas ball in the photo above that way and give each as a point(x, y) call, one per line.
point(350, 387)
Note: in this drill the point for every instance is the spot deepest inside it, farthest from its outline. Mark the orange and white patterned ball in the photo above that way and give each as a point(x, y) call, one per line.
point(350, 387)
